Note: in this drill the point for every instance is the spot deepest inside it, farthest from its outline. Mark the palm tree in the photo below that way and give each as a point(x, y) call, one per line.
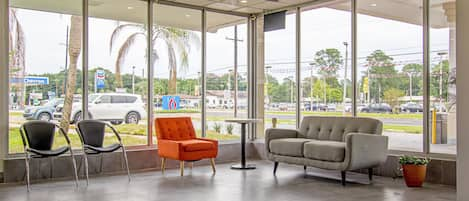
point(178, 43)
point(74, 51)
point(17, 53)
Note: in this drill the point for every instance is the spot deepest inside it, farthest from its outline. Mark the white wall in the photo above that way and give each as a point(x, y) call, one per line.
point(462, 39)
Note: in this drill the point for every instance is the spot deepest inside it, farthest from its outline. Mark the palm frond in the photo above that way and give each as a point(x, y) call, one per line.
point(118, 30)
point(123, 50)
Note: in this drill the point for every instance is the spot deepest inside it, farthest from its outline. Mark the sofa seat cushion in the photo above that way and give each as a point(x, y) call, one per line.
point(197, 145)
point(325, 150)
point(288, 146)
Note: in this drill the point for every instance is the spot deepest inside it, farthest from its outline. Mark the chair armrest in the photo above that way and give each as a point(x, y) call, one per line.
point(169, 148)
point(365, 150)
point(210, 140)
point(278, 133)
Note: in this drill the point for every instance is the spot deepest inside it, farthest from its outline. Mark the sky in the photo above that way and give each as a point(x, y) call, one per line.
point(322, 28)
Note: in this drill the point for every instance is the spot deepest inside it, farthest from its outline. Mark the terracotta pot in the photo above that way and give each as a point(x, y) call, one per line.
point(414, 175)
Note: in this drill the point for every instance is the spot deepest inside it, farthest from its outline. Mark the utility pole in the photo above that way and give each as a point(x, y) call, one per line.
point(312, 88)
point(345, 75)
point(411, 75)
point(235, 40)
point(133, 79)
point(266, 75)
point(441, 54)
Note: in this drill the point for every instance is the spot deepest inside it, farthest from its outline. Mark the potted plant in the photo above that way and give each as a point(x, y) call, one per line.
point(414, 170)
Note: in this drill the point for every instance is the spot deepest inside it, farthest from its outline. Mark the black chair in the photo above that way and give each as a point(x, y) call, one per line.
point(38, 138)
point(92, 134)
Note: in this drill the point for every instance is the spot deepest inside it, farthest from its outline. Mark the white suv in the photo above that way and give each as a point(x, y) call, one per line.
point(113, 107)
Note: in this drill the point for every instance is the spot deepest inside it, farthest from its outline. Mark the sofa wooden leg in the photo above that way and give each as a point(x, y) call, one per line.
point(212, 162)
point(163, 164)
point(343, 174)
point(275, 167)
point(181, 167)
point(370, 174)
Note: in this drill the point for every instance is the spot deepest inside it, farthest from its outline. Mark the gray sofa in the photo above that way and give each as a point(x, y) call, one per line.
point(334, 143)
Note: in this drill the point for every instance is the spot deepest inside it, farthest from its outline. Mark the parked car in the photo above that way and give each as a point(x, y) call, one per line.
point(438, 107)
point(331, 107)
point(377, 108)
point(113, 107)
point(44, 112)
point(411, 107)
point(348, 107)
point(316, 107)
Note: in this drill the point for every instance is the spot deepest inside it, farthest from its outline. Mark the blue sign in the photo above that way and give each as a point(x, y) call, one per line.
point(36, 80)
point(99, 77)
point(99, 84)
point(171, 102)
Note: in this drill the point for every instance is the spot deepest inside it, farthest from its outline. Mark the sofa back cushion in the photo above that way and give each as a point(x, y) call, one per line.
point(336, 128)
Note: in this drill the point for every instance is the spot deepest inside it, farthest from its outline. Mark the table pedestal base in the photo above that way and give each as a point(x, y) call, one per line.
point(245, 167)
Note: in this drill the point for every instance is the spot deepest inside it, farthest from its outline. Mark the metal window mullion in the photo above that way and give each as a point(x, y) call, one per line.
point(4, 80)
point(252, 66)
point(203, 70)
point(150, 73)
point(426, 68)
point(298, 65)
point(85, 59)
point(354, 57)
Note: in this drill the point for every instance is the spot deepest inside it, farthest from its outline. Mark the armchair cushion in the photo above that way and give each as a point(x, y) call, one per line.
point(288, 146)
point(197, 145)
point(325, 150)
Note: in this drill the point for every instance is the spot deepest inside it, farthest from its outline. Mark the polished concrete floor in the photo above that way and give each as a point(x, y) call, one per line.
point(290, 184)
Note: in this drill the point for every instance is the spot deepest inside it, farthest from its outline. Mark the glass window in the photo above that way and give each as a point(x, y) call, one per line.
point(117, 64)
point(105, 99)
point(389, 70)
point(44, 67)
point(442, 77)
point(280, 83)
point(224, 74)
point(326, 74)
point(177, 65)
point(118, 99)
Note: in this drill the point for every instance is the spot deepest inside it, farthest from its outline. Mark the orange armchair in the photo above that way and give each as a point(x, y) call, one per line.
point(177, 140)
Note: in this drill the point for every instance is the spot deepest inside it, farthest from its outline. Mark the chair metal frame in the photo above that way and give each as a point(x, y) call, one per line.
point(28, 157)
point(85, 154)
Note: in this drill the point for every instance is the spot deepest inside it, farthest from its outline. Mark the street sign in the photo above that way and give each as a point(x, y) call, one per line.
point(36, 80)
point(171, 102)
point(99, 78)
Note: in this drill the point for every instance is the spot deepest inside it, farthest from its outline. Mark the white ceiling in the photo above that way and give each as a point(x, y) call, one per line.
point(409, 11)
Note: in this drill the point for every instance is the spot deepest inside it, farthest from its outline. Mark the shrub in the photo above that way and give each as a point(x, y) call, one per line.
point(229, 129)
point(412, 160)
point(217, 127)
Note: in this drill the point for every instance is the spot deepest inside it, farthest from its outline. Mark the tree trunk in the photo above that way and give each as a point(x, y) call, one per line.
point(74, 53)
point(172, 82)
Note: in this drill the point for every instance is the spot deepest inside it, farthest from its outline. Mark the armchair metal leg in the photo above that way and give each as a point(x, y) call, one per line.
point(124, 153)
point(74, 162)
point(85, 157)
point(163, 164)
point(275, 167)
point(26, 160)
point(370, 174)
point(181, 167)
point(212, 162)
point(343, 174)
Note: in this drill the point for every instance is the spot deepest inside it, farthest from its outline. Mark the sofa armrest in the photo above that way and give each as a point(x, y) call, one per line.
point(169, 149)
point(365, 150)
point(278, 133)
